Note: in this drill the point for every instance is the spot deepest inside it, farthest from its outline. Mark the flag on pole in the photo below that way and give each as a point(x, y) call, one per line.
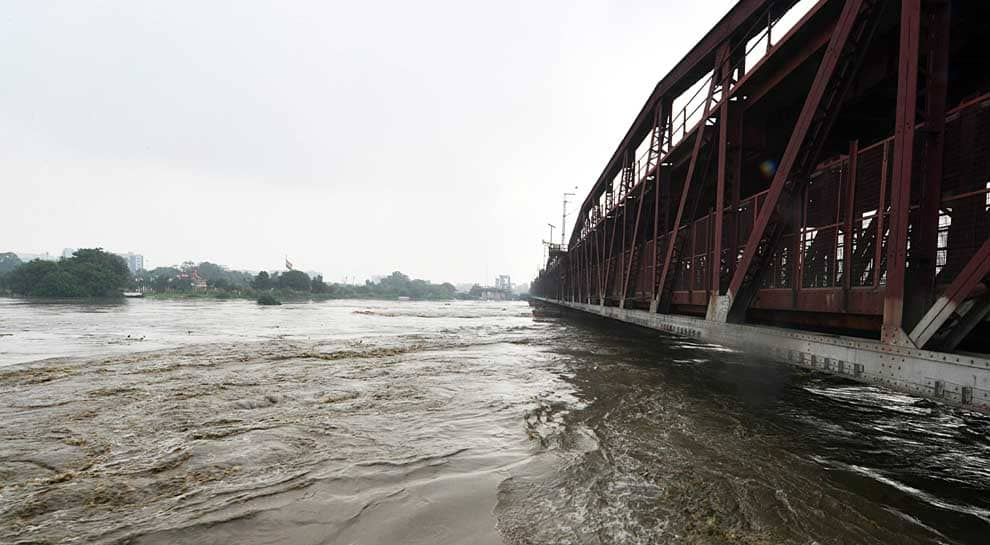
point(288, 264)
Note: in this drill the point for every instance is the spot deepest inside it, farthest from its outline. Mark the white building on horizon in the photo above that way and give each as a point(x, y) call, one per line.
point(135, 262)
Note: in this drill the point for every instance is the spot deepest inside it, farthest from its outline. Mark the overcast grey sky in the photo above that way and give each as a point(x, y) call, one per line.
point(434, 137)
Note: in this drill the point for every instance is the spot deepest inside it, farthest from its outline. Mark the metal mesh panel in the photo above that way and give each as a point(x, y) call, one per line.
point(965, 224)
point(701, 236)
point(818, 255)
point(868, 171)
point(822, 201)
point(780, 265)
point(747, 215)
point(683, 277)
point(866, 215)
point(700, 272)
point(684, 274)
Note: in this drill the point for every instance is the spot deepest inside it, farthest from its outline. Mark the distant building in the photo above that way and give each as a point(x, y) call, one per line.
point(492, 294)
point(135, 262)
point(503, 282)
point(67, 253)
point(488, 293)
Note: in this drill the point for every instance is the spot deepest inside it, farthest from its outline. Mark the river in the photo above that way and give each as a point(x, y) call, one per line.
point(357, 422)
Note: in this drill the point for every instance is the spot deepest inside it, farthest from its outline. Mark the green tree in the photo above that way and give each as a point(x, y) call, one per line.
point(97, 273)
point(58, 283)
point(447, 291)
point(262, 281)
point(24, 279)
point(219, 283)
point(8, 262)
point(294, 280)
point(211, 271)
point(180, 283)
point(318, 285)
point(88, 273)
point(214, 273)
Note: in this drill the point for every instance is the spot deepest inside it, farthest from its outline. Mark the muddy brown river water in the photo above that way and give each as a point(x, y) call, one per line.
point(359, 422)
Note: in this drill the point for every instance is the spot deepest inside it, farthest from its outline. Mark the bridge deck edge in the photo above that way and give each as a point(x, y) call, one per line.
point(955, 379)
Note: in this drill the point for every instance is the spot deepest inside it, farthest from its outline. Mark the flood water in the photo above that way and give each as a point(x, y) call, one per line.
point(445, 423)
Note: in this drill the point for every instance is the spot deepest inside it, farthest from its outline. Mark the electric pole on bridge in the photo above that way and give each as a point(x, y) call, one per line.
point(563, 219)
point(548, 243)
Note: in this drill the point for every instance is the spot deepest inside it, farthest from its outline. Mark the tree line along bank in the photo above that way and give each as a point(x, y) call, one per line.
point(96, 273)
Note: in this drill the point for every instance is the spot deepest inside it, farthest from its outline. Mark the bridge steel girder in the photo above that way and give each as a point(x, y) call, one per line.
point(762, 241)
point(694, 65)
point(628, 271)
point(662, 301)
point(660, 183)
point(973, 273)
point(847, 228)
point(977, 313)
point(726, 126)
point(900, 187)
point(922, 260)
point(611, 251)
point(588, 255)
point(894, 203)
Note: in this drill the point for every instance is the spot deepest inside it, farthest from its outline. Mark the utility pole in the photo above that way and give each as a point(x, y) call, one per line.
point(548, 243)
point(563, 219)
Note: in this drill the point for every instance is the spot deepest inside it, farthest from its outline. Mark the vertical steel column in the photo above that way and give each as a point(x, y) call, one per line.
point(847, 226)
point(727, 179)
point(656, 232)
point(625, 206)
point(734, 182)
point(597, 252)
point(585, 269)
point(920, 279)
point(723, 147)
point(878, 247)
point(580, 274)
point(635, 236)
point(685, 190)
point(663, 135)
point(797, 251)
point(665, 200)
point(586, 245)
point(611, 252)
point(900, 189)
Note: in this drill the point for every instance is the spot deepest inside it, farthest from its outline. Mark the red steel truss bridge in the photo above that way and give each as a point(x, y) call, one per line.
point(812, 181)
